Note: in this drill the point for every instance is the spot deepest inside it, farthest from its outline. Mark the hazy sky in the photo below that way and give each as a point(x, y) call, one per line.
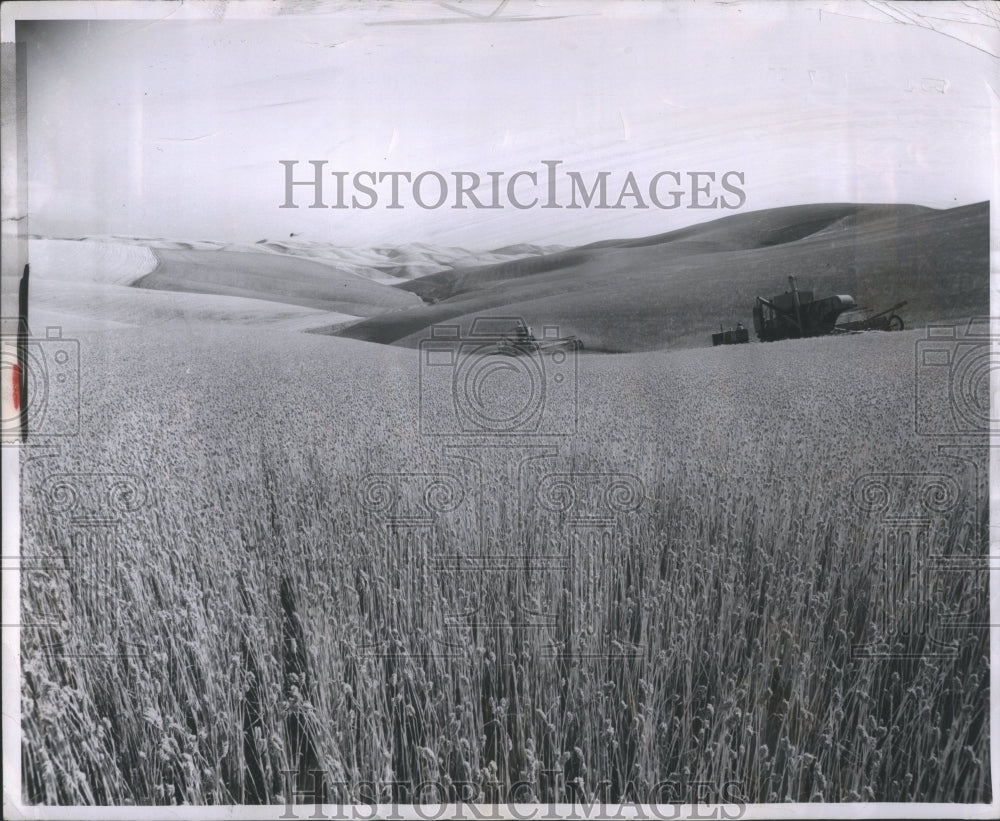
point(175, 127)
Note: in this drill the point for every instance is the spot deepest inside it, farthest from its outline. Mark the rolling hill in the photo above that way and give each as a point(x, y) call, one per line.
point(87, 284)
point(673, 289)
point(273, 277)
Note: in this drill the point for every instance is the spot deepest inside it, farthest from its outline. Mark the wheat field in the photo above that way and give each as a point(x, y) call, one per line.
point(694, 588)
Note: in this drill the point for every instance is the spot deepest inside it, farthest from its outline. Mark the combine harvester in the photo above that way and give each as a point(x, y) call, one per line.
point(797, 314)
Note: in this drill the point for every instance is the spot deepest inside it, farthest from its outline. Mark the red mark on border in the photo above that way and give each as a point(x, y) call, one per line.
point(16, 393)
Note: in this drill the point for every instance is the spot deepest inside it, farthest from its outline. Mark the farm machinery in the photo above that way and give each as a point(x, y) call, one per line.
point(734, 336)
point(519, 340)
point(882, 321)
point(796, 314)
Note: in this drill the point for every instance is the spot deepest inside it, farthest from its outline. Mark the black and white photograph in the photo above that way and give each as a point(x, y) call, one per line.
point(535, 409)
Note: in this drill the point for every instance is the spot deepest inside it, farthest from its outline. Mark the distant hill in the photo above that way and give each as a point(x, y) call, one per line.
point(673, 289)
point(388, 264)
point(273, 277)
point(391, 264)
point(297, 282)
point(87, 284)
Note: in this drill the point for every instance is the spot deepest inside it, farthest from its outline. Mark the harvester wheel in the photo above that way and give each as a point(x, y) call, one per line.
point(895, 323)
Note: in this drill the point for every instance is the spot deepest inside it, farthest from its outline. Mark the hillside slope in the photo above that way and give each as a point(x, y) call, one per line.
point(673, 289)
point(273, 277)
